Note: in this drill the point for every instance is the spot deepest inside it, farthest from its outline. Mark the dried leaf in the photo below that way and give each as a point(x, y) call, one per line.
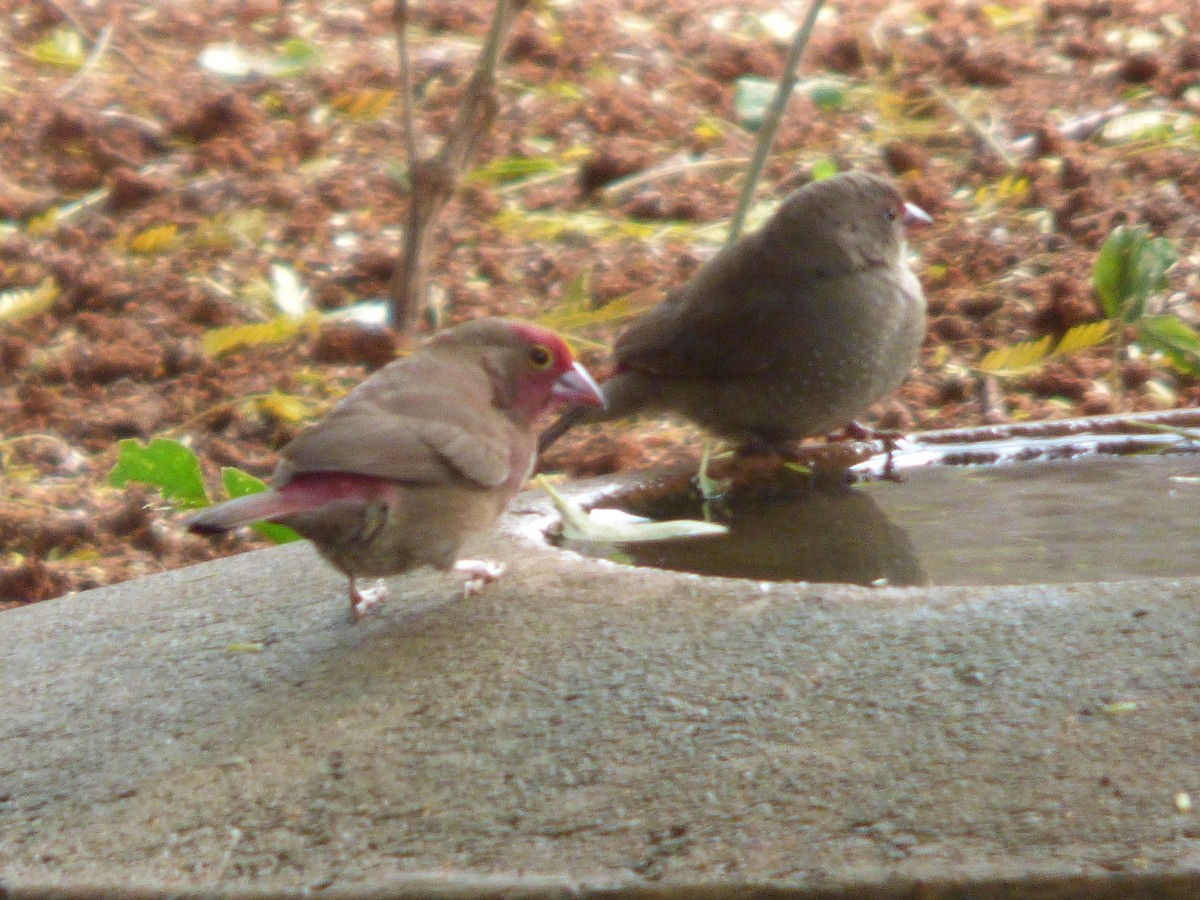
point(158, 239)
point(369, 103)
point(21, 303)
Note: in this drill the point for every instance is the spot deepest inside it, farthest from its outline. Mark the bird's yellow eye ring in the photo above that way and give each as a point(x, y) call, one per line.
point(540, 356)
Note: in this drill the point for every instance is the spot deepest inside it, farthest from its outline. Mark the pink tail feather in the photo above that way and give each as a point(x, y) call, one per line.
point(304, 492)
point(244, 510)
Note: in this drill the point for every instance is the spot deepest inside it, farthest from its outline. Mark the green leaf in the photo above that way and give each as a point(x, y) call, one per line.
point(295, 56)
point(238, 484)
point(1175, 339)
point(513, 168)
point(825, 93)
point(165, 464)
point(1109, 272)
point(1130, 268)
point(824, 168)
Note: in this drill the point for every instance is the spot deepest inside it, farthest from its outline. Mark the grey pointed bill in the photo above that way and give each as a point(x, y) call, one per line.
point(577, 386)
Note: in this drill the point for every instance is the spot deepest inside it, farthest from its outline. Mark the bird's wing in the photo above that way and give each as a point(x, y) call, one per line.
point(732, 326)
point(427, 421)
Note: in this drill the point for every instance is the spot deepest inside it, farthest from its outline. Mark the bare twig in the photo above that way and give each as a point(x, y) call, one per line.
point(435, 179)
point(772, 117)
point(400, 19)
point(86, 32)
point(976, 128)
point(90, 63)
point(623, 184)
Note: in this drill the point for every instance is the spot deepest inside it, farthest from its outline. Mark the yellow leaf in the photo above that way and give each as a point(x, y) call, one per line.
point(22, 303)
point(1027, 356)
point(1018, 358)
point(573, 318)
point(1089, 334)
point(284, 407)
point(709, 129)
point(370, 103)
point(221, 340)
point(62, 48)
point(43, 224)
point(154, 240)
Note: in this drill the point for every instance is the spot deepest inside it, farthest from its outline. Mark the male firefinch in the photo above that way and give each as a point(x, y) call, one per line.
point(425, 452)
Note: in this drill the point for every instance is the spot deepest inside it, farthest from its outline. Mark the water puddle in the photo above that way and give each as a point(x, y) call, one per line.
point(1004, 509)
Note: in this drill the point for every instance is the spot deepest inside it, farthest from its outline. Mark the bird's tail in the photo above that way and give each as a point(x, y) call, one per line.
point(569, 418)
point(240, 511)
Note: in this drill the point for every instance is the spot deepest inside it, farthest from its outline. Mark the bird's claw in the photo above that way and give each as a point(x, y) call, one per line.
point(482, 572)
point(362, 602)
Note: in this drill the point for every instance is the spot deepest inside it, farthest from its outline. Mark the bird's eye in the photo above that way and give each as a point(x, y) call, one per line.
point(540, 357)
point(892, 214)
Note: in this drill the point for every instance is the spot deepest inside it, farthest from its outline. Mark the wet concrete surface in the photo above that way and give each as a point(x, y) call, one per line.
point(579, 725)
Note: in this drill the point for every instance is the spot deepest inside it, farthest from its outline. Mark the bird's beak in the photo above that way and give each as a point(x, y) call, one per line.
point(577, 386)
point(914, 215)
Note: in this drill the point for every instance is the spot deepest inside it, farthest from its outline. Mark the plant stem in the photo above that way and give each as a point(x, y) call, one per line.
point(772, 117)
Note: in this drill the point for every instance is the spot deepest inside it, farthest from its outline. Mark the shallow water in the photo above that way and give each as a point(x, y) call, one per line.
point(1106, 519)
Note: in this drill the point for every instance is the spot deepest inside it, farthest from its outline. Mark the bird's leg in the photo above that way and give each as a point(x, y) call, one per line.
point(362, 602)
point(889, 439)
point(482, 572)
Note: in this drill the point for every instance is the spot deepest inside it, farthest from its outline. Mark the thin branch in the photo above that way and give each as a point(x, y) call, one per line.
point(435, 179)
point(772, 117)
point(90, 63)
point(78, 25)
point(666, 171)
point(400, 19)
point(984, 135)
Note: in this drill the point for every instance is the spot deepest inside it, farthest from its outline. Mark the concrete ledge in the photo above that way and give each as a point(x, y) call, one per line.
point(225, 728)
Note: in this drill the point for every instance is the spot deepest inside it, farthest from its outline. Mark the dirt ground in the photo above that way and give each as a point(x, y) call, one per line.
point(1013, 123)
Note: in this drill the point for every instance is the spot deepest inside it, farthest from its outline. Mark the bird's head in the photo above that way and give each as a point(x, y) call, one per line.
point(531, 367)
point(854, 220)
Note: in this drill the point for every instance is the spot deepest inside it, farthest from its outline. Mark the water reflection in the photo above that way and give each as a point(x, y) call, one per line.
point(1085, 520)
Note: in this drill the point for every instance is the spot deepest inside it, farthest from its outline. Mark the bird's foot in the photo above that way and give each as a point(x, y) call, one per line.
point(362, 602)
point(482, 572)
point(888, 439)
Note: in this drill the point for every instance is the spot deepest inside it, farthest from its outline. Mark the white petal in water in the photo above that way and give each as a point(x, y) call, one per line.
point(615, 527)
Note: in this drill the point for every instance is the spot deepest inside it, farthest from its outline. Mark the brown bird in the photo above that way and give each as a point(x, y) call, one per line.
point(790, 331)
point(419, 456)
